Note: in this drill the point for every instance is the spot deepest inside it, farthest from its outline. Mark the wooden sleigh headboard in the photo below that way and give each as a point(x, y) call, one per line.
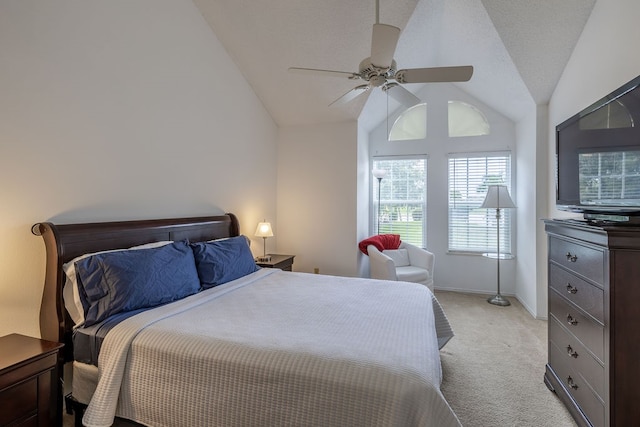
point(65, 242)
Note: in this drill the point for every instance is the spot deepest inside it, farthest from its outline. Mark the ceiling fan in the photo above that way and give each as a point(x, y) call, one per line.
point(380, 70)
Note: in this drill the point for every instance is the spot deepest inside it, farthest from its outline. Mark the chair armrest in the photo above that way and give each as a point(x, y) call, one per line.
point(420, 257)
point(381, 266)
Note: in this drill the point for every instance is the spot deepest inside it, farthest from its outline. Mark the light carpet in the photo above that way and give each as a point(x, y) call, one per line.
point(493, 368)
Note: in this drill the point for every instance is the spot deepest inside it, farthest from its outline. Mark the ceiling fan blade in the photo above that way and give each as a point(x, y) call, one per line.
point(435, 75)
point(317, 71)
point(383, 44)
point(400, 94)
point(351, 95)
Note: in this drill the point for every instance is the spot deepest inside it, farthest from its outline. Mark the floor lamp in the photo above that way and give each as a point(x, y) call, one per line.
point(498, 198)
point(379, 174)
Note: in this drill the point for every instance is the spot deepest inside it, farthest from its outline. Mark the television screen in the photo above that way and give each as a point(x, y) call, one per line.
point(598, 155)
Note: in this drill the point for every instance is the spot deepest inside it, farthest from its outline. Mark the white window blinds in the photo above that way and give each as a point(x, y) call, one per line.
point(472, 229)
point(401, 208)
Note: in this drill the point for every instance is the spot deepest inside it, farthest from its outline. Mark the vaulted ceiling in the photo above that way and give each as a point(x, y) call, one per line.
point(518, 48)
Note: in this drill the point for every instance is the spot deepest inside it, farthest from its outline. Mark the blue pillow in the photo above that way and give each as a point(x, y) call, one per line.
point(221, 261)
point(115, 282)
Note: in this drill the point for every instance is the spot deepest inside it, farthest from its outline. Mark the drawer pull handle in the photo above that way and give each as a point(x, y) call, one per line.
point(571, 383)
point(571, 352)
point(571, 320)
point(572, 258)
point(571, 289)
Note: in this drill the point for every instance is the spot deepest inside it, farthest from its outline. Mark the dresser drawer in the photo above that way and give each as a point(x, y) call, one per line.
point(575, 355)
point(576, 386)
point(584, 260)
point(583, 294)
point(588, 331)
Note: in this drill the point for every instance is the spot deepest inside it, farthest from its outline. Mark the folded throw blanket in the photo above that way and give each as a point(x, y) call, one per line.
point(381, 242)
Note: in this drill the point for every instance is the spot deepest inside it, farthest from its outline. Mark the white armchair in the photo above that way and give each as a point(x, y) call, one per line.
point(408, 263)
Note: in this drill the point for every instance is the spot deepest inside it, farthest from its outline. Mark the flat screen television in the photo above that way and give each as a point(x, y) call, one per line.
point(598, 158)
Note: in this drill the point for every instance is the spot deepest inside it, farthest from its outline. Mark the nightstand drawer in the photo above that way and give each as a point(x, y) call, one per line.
point(572, 353)
point(18, 401)
point(584, 260)
point(588, 297)
point(588, 331)
point(33, 368)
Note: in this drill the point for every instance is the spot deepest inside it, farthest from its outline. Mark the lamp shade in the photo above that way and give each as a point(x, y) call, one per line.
point(379, 173)
point(264, 230)
point(497, 198)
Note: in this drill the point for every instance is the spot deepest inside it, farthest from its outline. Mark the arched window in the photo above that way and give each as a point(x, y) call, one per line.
point(466, 120)
point(411, 124)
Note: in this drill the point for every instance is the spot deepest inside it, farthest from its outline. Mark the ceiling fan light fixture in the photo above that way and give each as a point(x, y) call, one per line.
point(377, 81)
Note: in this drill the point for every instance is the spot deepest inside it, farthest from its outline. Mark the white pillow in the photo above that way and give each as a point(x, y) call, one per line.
point(70, 292)
point(400, 257)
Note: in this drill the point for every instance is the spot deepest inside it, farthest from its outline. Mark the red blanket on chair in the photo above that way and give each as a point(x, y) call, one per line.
point(381, 242)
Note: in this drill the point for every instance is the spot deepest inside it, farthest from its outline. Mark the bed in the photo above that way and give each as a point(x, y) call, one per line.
point(248, 347)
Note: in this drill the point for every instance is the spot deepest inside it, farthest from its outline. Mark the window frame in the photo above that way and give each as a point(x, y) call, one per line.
point(373, 192)
point(507, 215)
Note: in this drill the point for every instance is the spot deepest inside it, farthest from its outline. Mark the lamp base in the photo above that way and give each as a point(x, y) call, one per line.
point(265, 258)
point(498, 300)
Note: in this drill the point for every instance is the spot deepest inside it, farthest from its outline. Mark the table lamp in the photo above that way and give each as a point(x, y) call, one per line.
point(264, 231)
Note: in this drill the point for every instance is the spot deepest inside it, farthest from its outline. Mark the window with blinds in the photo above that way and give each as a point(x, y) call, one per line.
point(472, 229)
point(399, 199)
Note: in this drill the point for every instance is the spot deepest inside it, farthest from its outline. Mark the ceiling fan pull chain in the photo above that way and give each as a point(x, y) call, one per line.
point(387, 93)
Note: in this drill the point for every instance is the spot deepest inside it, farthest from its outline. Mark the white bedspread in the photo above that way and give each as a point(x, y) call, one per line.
point(279, 348)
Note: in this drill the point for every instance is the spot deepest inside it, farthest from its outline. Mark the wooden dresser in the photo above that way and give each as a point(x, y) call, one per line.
point(594, 321)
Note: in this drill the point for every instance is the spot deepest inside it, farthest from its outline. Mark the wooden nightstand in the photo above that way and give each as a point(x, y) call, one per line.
point(283, 262)
point(29, 384)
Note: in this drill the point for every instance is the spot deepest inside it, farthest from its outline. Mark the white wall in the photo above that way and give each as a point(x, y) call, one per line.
point(603, 60)
point(544, 174)
point(317, 197)
point(478, 274)
point(363, 206)
point(531, 184)
point(119, 110)
point(526, 165)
